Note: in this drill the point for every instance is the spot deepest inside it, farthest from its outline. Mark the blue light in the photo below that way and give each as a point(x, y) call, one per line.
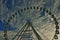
point(8, 3)
point(2, 26)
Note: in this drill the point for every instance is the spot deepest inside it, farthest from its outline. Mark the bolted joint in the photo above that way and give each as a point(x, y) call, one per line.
point(55, 36)
point(57, 27)
point(46, 11)
point(37, 7)
point(34, 7)
point(54, 19)
point(56, 32)
point(21, 10)
point(41, 8)
point(50, 13)
point(24, 9)
point(52, 16)
point(15, 13)
point(30, 7)
point(56, 23)
point(27, 8)
point(9, 20)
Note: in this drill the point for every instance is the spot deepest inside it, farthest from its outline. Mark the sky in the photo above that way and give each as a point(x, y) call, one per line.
point(53, 4)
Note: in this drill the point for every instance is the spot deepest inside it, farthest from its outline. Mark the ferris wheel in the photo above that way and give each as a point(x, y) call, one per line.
point(32, 23)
